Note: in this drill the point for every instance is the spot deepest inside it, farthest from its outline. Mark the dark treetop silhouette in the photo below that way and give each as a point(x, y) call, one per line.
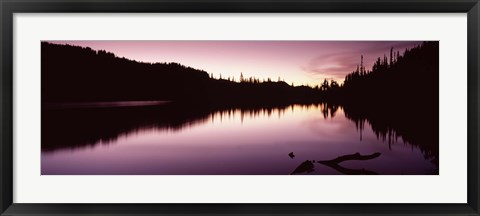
point(395, 95)
point(398, 96)
point(76, 74)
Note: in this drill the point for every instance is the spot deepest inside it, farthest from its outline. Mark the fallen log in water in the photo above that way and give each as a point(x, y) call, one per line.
point(356, 156)
point(335, 164)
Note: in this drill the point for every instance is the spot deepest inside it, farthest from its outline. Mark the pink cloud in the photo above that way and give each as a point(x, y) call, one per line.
point(294, 61)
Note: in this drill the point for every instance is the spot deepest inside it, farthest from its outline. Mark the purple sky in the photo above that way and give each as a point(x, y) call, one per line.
point(298, 62)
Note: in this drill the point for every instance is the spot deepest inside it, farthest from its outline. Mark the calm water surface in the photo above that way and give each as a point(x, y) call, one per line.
point(224, 142)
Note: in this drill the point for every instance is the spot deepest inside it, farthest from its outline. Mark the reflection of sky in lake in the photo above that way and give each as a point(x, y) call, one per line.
point(241, 143)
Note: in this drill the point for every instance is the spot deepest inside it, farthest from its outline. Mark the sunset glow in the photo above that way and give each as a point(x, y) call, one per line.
point(240, 107)
point(297, 62)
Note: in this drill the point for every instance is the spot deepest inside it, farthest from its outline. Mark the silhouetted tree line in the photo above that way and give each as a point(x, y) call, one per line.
point(392, 81)
point(77, 74)
point(399, 97)
point(243, 79)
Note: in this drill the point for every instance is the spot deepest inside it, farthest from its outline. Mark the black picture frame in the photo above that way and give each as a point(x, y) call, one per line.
point(9, 7)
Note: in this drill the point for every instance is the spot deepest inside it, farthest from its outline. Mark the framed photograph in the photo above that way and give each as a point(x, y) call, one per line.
point(239, 107)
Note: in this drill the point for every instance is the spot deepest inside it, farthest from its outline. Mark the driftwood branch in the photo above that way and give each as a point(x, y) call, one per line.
point(335, 164)
point(356, 156)
point(308, 165)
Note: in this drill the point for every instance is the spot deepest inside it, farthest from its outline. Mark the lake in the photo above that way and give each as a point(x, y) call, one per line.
point(173, 139)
